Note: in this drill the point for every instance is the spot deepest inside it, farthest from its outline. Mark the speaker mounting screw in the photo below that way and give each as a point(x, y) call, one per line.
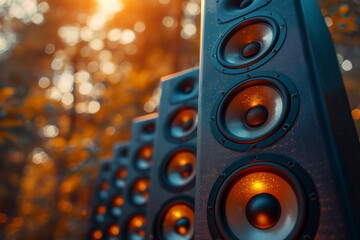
point(223, 93)
point(212, 119)
point(291, 164)
point(277, 75)
point(253, 146)
point(223, 69)
point(275, 50)
point(249, 75)
point(254, 157)
point(313, 196)
point(286, 127)
point(223, 141)
point(282, 26)
point(294, 95)
point(247, 69)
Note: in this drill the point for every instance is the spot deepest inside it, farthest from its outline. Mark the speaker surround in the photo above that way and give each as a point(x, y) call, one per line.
point(255, 112)
point(249, 43)
point(263, 196)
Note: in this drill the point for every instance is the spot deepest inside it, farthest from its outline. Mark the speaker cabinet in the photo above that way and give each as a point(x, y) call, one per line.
point(136, 192)
point(101, 196)
point(277, 148)
point(116, 200)
point(171, 205)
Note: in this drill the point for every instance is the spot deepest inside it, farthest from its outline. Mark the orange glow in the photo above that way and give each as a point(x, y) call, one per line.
point(3, 218)
point(122, 173)
point(258, 186)
point(97, 234)
point(356, 114)
point(146, 152)
point(182, 230)
point(137, 221)
point(177, 214)
point(119, 201)
point(104, 186)
point(262, 221)
point(114, 230)
point(142, 185)
point(101, 209)
point(110, 6)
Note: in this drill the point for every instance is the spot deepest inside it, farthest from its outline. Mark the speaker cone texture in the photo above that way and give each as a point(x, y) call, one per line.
point(136, 228)
point(177, 222)
point(180, 169)
point(140, 192)
point(143, 160)
point(183, 123)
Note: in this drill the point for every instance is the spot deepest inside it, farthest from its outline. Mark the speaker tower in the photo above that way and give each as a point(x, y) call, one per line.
point(170, 212)
point(277, 148)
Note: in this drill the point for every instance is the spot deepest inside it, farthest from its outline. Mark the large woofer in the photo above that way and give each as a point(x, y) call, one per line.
point(120, 177)
point(135, 229)
point(116, 205)
point(265, 199)
point(248, 44)
point(255, 112)
point(140, 192)
point(179, 170)
point(143, 159)
point(183, 124)
point(176, 221)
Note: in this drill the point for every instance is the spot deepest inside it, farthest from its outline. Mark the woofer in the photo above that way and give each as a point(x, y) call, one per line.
point(249, 43)
point(182, 124)
point(100, 213)
point(176, 221)
point(143, 159)
point(140, 192)
point(113, 232)
point(120, 176)
point(255, 112)
point(179, 169)
point(135, 229)
point(104, 190)
point(270, 198)
point(116, 205)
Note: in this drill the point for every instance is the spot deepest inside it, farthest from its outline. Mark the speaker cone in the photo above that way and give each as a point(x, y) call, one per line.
point(250, 43)
point(100, 213)
point(136, 228)
point(180, 169)
point(184, 123)
point(177, 222)
point(143, 158)
point(104, 190)
point(117, 203)
point(263, 200)
point(120, 177)
point(140, 192)
point(256, 112)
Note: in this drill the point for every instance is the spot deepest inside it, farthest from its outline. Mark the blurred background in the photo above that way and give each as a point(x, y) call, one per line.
point(74, 73)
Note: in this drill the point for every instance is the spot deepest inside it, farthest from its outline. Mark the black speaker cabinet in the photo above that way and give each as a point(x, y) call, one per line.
point(101, 196)
point(115, 202)
point(136, 192)
point(170, 212)
point(278, 155)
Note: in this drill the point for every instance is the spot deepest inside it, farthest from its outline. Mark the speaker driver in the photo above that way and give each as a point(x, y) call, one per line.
point(183, 124)
point(264, 200)
point(117, 203)
point(255, 113)
point(113, 232)
point(97, 235)
point(143, 160)
point(104, 190)
point(100, 213)
point(140, 192)
point(136, 228)
point(180, 169)
point(177, 221)
point(250, 43)
point(120, 177)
